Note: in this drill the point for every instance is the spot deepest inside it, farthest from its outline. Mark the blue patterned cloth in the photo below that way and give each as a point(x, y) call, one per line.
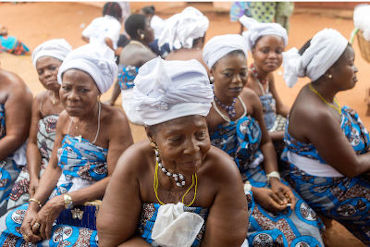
point(148, 217)
point(82, 164)
point(344, 199)
point(127, 76)
point(9, 170)
point(241, 139)
point(269, 109)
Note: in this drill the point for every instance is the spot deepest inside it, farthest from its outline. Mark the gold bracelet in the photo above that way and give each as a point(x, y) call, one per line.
point(35, 200)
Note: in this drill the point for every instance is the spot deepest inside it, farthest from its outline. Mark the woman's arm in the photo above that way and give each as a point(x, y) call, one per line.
point(33, 153)
point(280, 107)
point(119, 214)
point(18, 106)
point(227, 222)
point(323, 130)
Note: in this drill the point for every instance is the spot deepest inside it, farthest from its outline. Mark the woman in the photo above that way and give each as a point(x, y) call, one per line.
point(176, 171)
point(267, 41)
point(278, 216)
point(11, 44)
point(15, 118)
point(90, 136)
point(327, 145)
point(185, 33)
point(133, 55)
point(46, 108)
point(105, 30)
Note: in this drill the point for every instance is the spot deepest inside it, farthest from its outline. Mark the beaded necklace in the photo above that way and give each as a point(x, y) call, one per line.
point(261, 83)
point(336, 107)
point(179, 178)
point(194, 183)
point(230, 109)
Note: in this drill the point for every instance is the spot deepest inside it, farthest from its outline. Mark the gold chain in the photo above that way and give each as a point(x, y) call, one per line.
point(335, 107)
point(194, 180)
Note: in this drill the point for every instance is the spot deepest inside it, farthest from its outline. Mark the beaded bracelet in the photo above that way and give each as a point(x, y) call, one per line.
point(35, 200)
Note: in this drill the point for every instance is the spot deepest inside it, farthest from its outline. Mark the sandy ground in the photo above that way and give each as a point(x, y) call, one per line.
point(34, 23)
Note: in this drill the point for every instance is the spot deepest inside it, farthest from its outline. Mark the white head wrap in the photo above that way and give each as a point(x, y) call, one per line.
point(220, 45)
point(57, 48)
point(95, 60)
point(166, 90)
point(325, 49)
point(257, 30)
point(181, 29)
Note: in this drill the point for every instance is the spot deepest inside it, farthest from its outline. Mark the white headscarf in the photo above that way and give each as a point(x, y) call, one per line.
point(57, 48)
point(166, 90)
point(220, 45)
point(181, 29)
point(325, 49)
point(257, 30)
point(95, 60)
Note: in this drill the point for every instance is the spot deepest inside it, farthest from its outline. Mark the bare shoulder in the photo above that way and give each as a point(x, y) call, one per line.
point(135, 55)
point(113, 118)
point(221, 167)
point(13, 83)
point(248, 94)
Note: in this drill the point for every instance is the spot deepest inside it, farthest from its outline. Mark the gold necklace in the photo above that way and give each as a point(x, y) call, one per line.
point(336, 107)
point(194, 180)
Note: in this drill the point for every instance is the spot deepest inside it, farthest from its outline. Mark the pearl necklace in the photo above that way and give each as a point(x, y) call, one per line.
point(230, 109)
point(179, 178)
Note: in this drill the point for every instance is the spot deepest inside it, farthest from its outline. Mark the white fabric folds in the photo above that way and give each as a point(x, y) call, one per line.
point(181, 29)
point(57, 48)
point(257, 30)
point(165, 90)
point(221, 45)
point(361, 19)
point(325, 49)
point(95, 60)
point(174, 227)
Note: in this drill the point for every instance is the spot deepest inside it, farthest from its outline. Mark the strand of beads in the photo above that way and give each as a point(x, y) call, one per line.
point(178, 177)
point(230, 109)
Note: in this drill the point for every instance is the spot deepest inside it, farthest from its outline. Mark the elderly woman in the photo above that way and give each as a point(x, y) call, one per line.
point(90, 136)
point(327, 145)
point(185, 33)
point(278, 216)
point(15, 118)
point(267, 41)
point(133, 55)
point(176, 189)
point(46, 107)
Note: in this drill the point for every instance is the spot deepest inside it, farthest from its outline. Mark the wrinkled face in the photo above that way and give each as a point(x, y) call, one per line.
point(230, 75)
point(267, 53)
point(78, 93)
point(182, 143)
point(344, 70)
point(47, 69)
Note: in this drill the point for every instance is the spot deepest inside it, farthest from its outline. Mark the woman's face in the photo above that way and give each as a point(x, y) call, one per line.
point(78, 93)
point(47, 69)
point(230, 75)
point(182, 143)
point(344, 71)
point(267, 53)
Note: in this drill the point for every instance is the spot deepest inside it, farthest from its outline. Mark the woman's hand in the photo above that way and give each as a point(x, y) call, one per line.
point(29, 220)
point(268, 199)
point(34, 183)
point(283, 192)
point(47, 215)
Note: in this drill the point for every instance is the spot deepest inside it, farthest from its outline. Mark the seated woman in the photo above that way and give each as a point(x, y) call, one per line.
point(46, 108)
point(133, 55)
point(267, 41)
point(11, 44)
point(185, 33)
point(278, 216)
point(176, 189)
point(15, 119)
point(327, 145)
point(90, 136)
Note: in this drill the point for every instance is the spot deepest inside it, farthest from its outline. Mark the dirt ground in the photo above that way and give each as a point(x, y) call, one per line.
point(34, 23)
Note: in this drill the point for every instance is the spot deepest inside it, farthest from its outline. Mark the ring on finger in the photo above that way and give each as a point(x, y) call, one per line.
point(36, 225)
